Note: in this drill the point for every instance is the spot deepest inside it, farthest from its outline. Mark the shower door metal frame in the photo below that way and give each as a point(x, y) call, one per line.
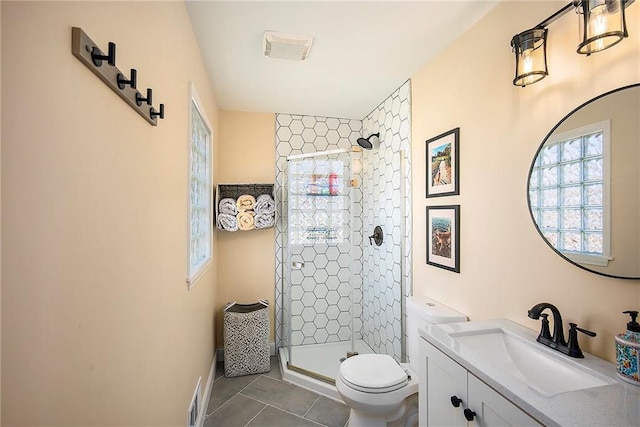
point(319, 154)
point(288, 265)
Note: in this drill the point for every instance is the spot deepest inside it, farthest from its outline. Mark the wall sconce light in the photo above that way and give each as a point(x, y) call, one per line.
point(530, 48)
point(602, 25)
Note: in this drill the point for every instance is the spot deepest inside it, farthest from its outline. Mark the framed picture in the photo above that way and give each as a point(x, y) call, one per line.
point(443, 237)
point(443, 161)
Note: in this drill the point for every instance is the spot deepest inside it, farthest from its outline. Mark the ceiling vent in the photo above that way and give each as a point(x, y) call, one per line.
point(286, 46)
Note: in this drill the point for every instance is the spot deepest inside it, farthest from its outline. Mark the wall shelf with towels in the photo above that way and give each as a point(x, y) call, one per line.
point(259, 214)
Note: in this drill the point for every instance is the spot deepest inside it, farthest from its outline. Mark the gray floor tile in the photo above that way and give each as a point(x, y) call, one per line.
point(237, 412)
point(273, 417)
point(225, 388)
point(266, 400)
point(281, 395)
point(219, 370)
point(328, 412)
point(275, 369)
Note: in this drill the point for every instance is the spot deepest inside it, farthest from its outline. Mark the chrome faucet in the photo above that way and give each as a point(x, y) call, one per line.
point(557, 341)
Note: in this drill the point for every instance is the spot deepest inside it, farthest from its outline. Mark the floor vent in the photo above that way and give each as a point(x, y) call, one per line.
point(194, 407)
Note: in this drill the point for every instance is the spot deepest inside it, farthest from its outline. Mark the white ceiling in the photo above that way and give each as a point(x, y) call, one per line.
point(362, 51)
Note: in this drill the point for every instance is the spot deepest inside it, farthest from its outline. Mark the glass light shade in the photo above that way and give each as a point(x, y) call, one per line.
point(530, 48)
point(602, 24)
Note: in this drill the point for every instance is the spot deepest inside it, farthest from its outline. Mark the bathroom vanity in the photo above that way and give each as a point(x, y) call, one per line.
point(462, 393)
point(493, 372)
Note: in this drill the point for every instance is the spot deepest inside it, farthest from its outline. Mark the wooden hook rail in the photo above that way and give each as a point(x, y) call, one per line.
point(104, 66)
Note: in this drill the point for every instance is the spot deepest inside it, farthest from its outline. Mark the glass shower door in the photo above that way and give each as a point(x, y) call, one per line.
point(319, 284)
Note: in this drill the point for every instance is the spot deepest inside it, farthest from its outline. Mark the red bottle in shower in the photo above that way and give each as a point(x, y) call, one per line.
point(333, 184)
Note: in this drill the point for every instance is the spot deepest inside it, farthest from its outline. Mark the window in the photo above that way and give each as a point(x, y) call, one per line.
point(200, 215)
point(569, 192)
point(319, 201)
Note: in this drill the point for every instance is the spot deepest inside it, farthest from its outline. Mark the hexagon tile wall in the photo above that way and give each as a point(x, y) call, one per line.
point(321, 289)
point(321, 295)
point(387, 269)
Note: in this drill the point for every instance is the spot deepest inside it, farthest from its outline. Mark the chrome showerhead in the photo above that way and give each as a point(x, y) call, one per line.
point(366, 142)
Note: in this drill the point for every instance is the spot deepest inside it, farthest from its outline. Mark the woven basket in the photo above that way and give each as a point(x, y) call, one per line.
point(246, 339)
point(233, 191)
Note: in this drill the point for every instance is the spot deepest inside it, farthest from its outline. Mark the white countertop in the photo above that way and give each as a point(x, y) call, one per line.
point(617, 404)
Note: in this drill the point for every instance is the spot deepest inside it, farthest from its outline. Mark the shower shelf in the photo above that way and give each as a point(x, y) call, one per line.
point(318, 203)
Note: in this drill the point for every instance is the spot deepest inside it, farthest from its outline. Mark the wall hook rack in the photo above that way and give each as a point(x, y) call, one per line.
point(83, 48)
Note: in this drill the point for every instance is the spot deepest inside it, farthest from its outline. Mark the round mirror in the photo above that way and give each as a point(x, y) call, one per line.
point(584, 185)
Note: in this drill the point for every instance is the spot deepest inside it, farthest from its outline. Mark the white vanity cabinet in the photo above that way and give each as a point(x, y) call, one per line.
point(445, 384)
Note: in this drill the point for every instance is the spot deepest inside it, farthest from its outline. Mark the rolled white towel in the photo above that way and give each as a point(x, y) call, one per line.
point(246, 220)
point(228, 206)
point(265, 221)
point(246, 202)
point(265, 205)
point(227, 222)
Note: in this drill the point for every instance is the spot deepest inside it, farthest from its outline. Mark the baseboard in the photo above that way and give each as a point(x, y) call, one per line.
point(207, 392)
point(272, 351)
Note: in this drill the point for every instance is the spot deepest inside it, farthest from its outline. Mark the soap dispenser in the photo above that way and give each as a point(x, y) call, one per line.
point(628, 350)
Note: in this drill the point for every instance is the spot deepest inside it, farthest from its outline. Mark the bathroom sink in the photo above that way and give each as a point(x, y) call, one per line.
point(528, 361)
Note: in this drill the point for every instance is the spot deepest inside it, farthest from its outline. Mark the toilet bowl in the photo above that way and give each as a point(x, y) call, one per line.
point(377, 388)
point(381, 392)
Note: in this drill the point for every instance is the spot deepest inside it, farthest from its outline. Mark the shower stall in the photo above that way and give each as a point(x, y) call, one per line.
point(321, 262)
point(341, 287)
point(337, 292)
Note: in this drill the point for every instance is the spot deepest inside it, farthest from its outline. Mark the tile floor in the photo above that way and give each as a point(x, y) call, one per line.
point(265, 400)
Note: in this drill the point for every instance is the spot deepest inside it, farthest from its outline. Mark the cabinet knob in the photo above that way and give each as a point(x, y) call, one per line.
point(469, 414)
point(456, 401)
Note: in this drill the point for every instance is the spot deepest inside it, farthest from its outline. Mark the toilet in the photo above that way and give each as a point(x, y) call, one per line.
point(381, 392)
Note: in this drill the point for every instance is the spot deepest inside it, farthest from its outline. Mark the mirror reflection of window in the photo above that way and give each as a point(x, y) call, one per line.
point(569, 193)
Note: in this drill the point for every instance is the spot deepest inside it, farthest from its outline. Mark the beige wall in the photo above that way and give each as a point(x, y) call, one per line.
point(246, 260)
point(506, 268)
point(98, 327)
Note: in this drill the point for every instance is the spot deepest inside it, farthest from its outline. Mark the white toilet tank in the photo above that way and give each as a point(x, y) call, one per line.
point(423, 311)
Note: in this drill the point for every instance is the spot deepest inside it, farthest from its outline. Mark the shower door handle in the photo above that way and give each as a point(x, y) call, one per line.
point(297, 265)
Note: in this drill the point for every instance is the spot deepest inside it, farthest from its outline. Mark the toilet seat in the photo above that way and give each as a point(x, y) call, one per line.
point(373, 373)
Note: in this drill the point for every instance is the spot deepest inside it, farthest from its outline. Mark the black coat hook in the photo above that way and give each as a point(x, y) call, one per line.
point(153, 113)
point(122, 82)
point(97, 57)
point(148, 99)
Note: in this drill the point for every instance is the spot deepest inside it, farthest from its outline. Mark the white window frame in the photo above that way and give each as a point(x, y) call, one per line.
point(194, 272)
point(604, 127)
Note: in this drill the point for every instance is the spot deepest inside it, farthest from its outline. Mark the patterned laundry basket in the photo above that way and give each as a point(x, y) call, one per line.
point(246, 339)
